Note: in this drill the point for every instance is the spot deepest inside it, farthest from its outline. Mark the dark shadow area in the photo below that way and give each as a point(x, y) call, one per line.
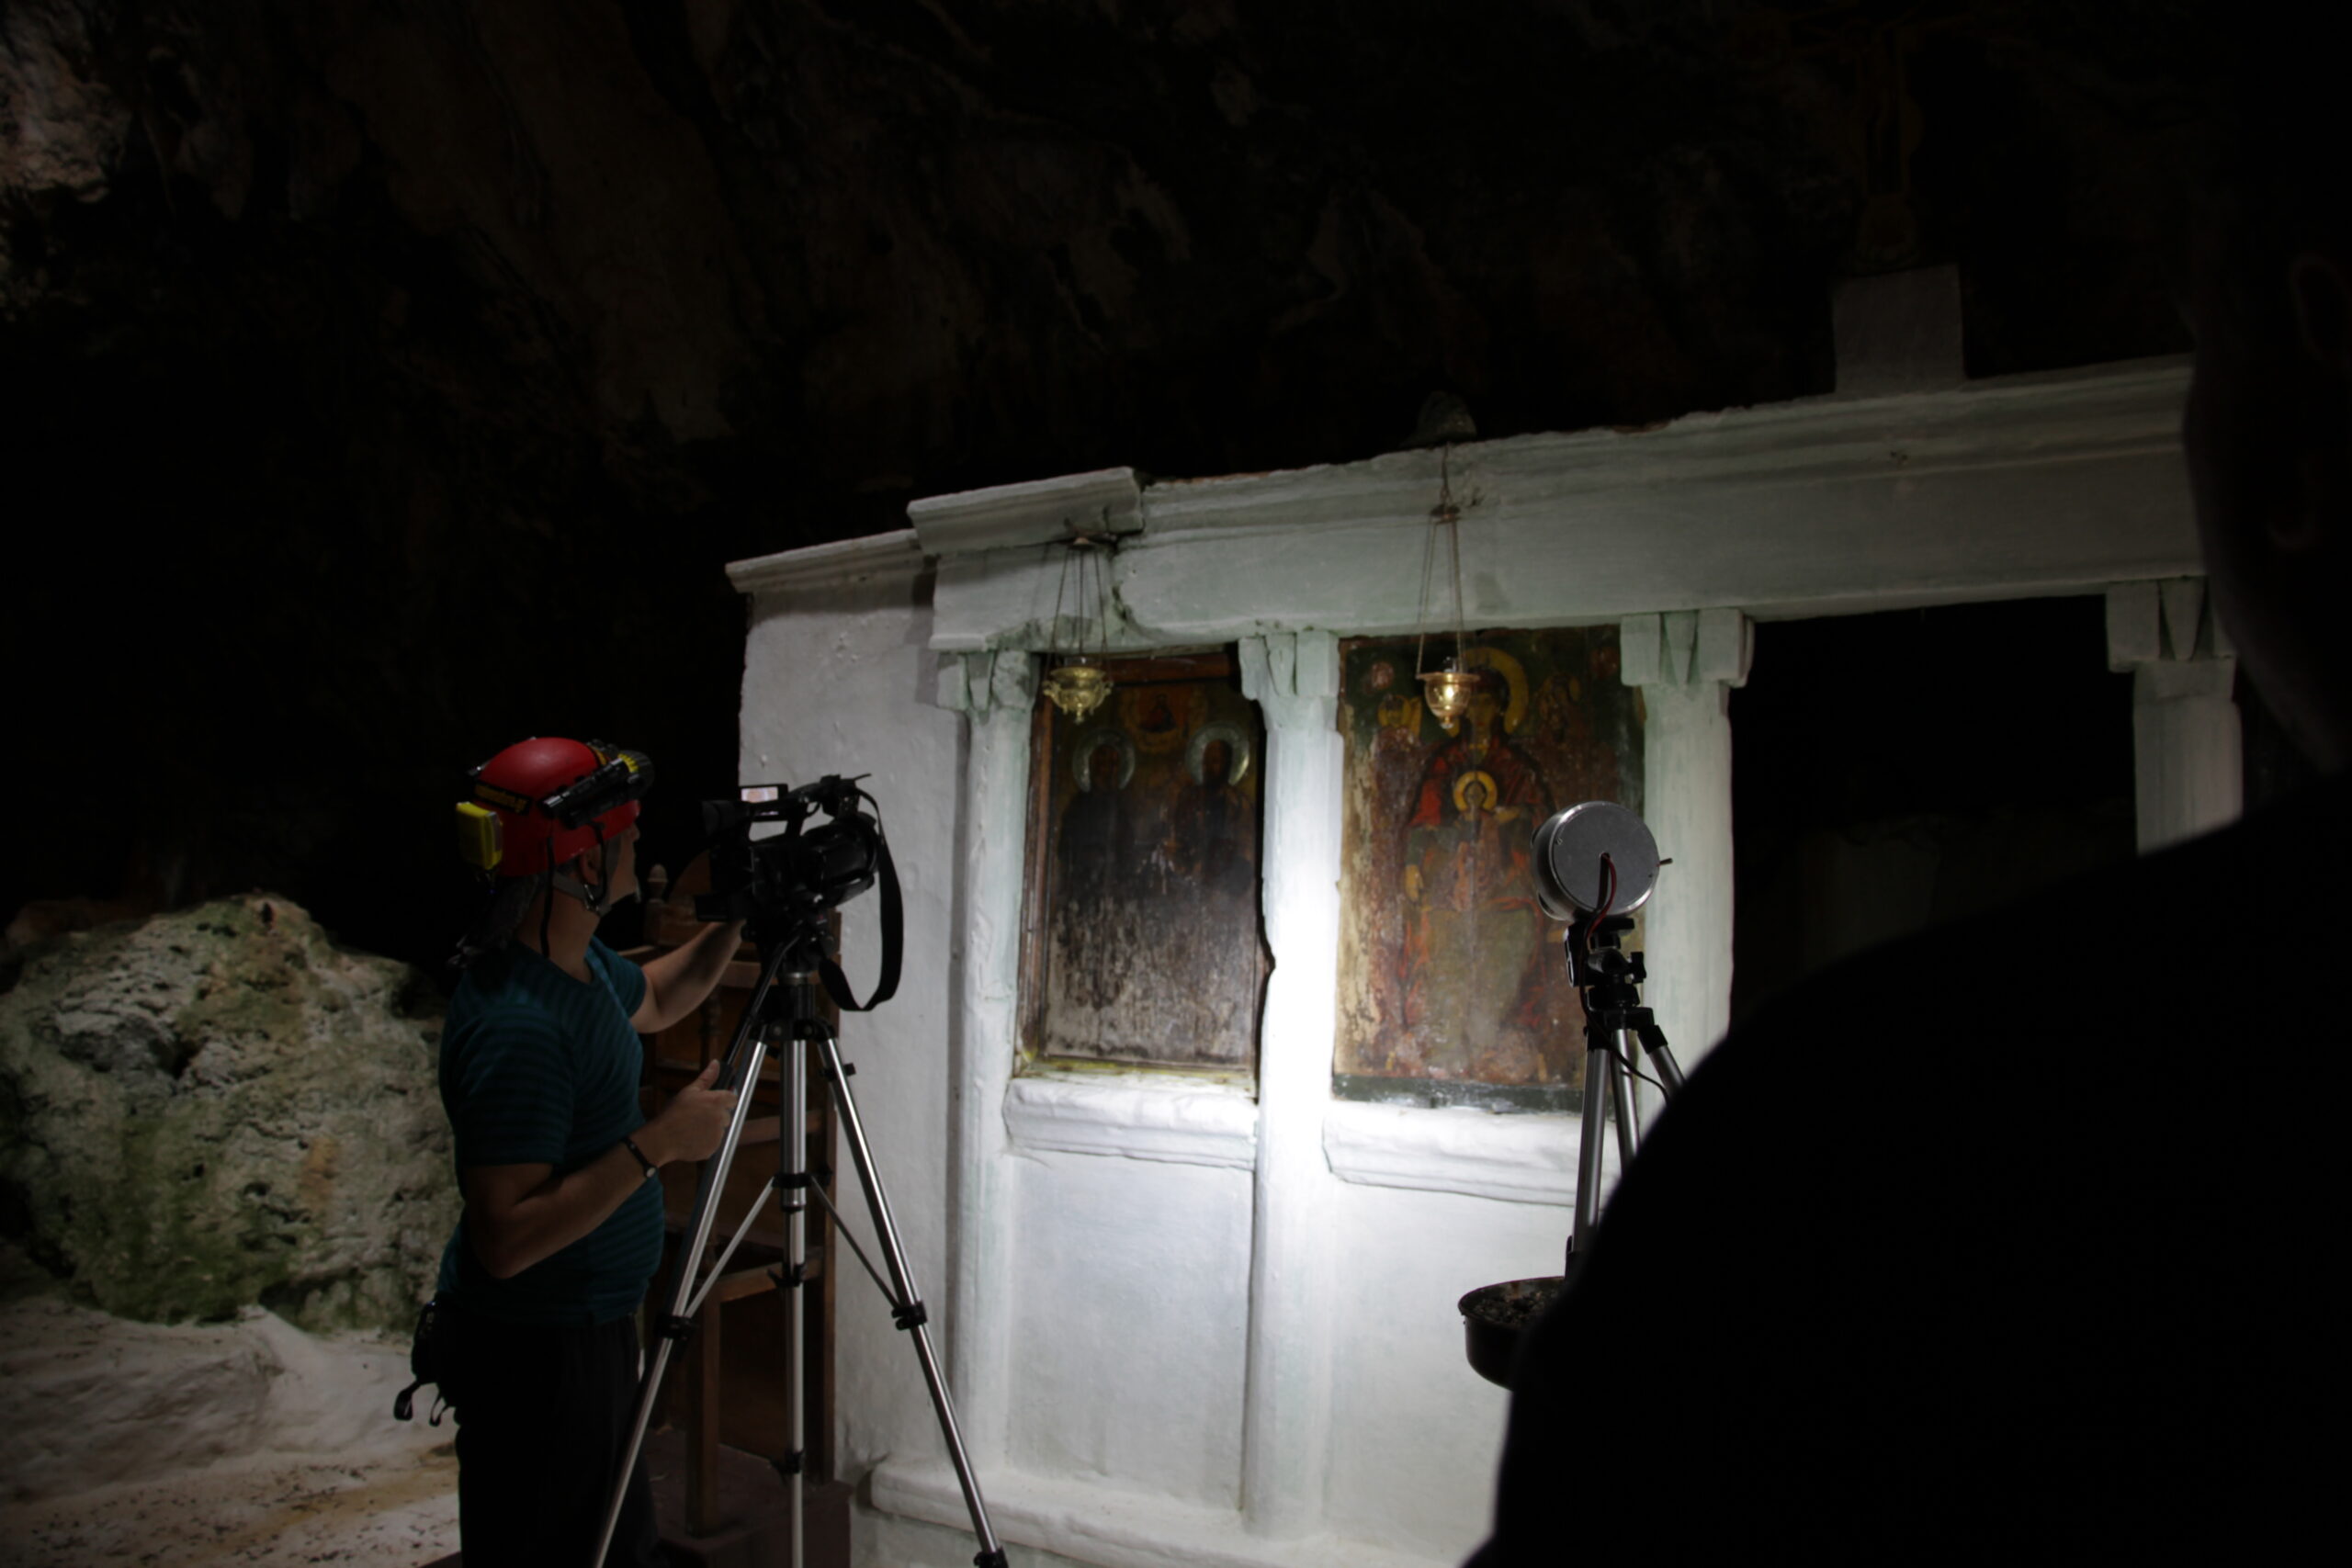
point(1897, 770)
point(2275, 766)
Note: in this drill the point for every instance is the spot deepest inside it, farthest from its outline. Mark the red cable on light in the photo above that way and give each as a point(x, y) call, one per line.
point(1607, 899)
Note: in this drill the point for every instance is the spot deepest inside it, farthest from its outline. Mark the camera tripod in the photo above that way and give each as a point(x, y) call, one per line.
point(783, 1012)
point(1609, 980)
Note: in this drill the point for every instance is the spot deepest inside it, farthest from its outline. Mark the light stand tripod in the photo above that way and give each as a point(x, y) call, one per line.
point(1595, 865)
point(783, 1010)
point(1608, 980)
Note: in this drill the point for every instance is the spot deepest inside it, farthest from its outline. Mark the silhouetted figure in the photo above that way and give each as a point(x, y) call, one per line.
point(2006, 1244)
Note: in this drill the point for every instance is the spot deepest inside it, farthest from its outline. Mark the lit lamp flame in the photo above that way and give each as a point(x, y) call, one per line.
point(1079, 687)
point(1447, 692)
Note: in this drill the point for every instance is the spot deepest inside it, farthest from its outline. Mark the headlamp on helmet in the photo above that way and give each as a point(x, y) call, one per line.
point(541, 802)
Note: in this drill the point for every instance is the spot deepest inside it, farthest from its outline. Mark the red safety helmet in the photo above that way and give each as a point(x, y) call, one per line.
point(542, 801)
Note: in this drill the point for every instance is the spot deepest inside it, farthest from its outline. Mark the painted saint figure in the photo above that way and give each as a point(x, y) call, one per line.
point(1211, 823)
point(1096, 865)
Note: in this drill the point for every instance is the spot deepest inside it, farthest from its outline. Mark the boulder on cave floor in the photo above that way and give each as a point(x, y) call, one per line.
point(219, 1107)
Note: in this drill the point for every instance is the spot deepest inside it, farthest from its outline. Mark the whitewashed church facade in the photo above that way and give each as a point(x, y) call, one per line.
point(1213, 1323)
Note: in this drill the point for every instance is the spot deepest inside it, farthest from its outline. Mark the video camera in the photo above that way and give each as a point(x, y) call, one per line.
point(781, 884)
point(801, 872)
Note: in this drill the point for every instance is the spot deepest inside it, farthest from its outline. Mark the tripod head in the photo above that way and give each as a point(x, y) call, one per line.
point(805, 938)
point(1595, 959)
point(1608, 978)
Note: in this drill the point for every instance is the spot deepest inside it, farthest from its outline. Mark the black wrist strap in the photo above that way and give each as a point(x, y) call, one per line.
point(650, 1168)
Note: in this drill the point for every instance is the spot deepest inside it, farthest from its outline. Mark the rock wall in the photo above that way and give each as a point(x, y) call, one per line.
point(442, 350)
point(219, 1109)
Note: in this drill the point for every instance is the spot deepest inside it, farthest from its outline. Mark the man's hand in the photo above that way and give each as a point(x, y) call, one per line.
point(520, 1214)
point(692, 1125)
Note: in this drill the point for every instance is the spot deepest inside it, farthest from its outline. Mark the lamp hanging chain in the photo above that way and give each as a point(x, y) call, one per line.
point(1054, 633)
point(1429, 565)
point(1101, 602)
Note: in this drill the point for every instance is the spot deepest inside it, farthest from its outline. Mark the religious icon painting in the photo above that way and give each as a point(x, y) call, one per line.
point(1144, 946)
point(1453, 990)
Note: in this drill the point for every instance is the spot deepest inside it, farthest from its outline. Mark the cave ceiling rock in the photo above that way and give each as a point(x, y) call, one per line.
point(868, 251)
point(60, 129)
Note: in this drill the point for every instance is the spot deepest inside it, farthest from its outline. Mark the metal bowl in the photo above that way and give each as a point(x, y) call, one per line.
point(1493, 1316)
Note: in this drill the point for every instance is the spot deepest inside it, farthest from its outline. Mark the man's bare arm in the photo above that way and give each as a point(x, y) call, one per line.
point(520, 1214)
point(677, 982)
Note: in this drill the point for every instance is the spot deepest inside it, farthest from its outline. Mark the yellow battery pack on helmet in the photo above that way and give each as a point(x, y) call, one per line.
point(481, 843)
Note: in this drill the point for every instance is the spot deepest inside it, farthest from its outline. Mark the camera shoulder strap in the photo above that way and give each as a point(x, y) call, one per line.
point(893, 931)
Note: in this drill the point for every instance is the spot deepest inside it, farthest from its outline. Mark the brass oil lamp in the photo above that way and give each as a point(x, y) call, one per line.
point(1447, 690)
point(1078, 683)
point(1078, 686)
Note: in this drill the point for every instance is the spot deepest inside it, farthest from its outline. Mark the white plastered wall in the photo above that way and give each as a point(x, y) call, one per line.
point(829, 670)
point(1193, 1325)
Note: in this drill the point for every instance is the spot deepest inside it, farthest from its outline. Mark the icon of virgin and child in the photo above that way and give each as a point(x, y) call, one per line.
point(1472, 991)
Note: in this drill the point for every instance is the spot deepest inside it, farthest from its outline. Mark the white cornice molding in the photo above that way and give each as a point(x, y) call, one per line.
point(1135, 1119)
point(2008, 488)
point(836, 565)
point(2003, 488)
point(2131, 408)
point(1106, 501)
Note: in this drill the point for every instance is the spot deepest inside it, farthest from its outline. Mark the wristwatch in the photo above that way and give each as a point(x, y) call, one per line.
point(651, 1170)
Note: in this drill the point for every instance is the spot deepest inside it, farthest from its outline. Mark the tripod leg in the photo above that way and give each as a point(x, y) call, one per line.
point(905, 1306)
point(1636, 1096)
point(1599, 1068)
point(794, 1183)
point(670, 1326)
point(1621, 1100)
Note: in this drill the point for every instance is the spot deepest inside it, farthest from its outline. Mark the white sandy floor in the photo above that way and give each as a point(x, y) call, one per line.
point(240, 1442)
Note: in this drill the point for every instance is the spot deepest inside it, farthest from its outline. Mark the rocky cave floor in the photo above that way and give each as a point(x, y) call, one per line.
point(276, 1512)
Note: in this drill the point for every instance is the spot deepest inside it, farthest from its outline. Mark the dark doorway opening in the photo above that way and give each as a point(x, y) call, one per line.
point(1893, 772)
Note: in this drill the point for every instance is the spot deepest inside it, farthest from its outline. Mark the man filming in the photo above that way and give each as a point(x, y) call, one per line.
point(536, 1337)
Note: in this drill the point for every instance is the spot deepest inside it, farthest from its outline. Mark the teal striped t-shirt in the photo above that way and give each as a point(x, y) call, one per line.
point(538, 1069)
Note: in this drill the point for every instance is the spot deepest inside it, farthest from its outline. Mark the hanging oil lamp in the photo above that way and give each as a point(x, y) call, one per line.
point(1078, 683)
point(1078, 686)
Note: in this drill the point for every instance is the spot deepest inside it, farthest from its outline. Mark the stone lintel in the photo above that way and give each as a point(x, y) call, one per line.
point(1107, 501)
